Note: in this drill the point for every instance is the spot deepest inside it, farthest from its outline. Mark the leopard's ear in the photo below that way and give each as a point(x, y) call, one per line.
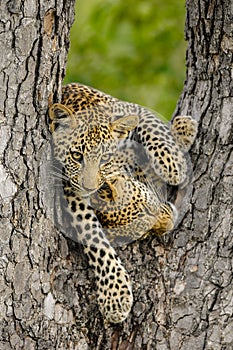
point(122, 126)
point(60, 115)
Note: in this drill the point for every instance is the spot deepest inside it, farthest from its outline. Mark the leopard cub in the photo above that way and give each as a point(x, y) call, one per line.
point(113, 191)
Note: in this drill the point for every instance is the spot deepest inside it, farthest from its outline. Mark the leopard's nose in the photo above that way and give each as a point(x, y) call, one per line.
point(90, 177)
point(90, 184)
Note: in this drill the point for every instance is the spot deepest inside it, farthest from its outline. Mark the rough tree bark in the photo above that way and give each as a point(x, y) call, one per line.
point(34, 40)
point(182, 284)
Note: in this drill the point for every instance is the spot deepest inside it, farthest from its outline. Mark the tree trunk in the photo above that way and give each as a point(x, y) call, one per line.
point(34, 40)
point(182, 284)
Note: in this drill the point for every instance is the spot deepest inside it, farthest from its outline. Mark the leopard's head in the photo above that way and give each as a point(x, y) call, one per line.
point(85, 143)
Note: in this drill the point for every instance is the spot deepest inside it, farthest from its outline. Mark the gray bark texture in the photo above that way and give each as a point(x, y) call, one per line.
point(182, 283)
point(34, 40)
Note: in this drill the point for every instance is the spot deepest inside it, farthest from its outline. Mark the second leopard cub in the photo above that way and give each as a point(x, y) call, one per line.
point(109, 191)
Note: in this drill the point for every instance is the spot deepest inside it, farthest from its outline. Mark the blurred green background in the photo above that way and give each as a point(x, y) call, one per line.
point(131, 49)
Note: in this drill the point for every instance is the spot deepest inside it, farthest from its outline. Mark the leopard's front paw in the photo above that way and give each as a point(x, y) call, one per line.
point(117, 308)
point(184, 130)
point(115, 296)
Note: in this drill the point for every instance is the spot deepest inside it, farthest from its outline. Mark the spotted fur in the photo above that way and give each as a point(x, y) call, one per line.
point(116, 157)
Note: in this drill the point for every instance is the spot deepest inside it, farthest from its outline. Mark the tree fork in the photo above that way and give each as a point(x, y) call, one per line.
point(182, 284)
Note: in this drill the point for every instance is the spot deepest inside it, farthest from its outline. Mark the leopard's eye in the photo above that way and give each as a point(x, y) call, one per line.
point(106, 157)
point(77, 156)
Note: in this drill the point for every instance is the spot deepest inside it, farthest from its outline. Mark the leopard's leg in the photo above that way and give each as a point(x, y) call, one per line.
point(164, 155)
point(155, 138)
point(113, 283)
point(166, 146)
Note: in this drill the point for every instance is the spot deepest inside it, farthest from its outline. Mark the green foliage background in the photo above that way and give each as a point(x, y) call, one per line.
point(131, 49)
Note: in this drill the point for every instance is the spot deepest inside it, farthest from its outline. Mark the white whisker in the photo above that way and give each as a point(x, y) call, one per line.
point(59, 176)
